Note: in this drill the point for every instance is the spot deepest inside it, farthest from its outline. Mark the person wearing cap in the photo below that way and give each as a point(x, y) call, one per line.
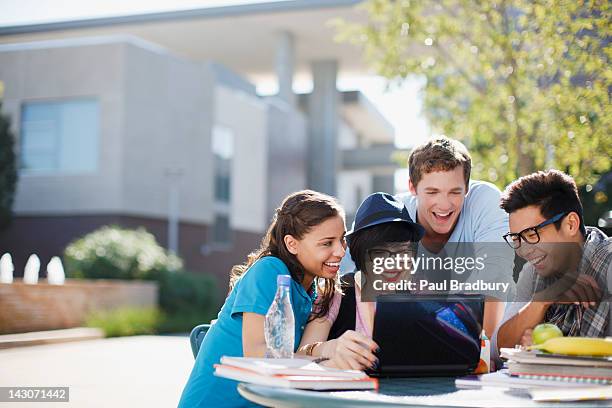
point(458, 214)
point(383, 229)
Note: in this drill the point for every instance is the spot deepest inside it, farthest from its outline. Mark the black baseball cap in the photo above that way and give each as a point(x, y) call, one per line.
point(380, 208)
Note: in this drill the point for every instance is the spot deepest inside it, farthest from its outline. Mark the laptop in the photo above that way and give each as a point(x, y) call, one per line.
point(427, 335)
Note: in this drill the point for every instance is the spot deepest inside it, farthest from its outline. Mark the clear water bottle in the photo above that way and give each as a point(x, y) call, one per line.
point(279, 326)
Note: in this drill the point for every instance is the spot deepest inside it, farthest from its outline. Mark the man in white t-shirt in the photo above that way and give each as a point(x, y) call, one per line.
point(452, 209)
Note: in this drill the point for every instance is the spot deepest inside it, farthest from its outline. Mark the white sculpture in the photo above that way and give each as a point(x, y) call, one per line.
point(6, 268)
point(30, 273)
point(55, 272)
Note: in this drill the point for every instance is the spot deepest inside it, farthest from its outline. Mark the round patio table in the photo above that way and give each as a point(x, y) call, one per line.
point(403, 392)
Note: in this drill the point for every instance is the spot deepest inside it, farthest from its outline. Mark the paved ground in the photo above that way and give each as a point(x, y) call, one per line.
point(50, 337)
point(139, 371)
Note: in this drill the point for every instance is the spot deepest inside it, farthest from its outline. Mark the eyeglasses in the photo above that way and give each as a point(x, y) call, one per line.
point(374, 253)
point(530, 235)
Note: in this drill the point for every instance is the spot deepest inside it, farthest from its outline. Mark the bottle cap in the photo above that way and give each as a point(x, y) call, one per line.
point(483, 335)
point(284, 280)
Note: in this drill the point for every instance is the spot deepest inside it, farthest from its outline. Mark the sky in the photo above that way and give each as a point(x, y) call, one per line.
point(14, 12)
point(401, 105)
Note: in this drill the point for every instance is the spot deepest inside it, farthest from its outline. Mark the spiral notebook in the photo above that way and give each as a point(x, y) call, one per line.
point(540, 357)
point(565, 379)
point(502, 378)
point(556, 372)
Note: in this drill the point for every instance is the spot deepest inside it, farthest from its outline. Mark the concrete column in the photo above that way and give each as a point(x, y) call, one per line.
point(285, 57)
point(324, 155)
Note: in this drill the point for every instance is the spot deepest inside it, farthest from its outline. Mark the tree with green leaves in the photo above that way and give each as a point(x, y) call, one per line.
point(524, 84)
point(8, 169)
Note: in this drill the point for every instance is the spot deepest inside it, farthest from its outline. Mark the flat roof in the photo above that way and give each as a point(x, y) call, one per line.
point(243, 37)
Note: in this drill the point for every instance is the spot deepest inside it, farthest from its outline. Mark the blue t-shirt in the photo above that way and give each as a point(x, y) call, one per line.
point(254, 293)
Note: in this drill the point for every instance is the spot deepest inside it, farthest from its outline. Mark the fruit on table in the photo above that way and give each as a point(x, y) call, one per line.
point(545, 331)
point(576, 346)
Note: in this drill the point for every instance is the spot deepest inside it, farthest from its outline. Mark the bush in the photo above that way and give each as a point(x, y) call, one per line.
point(115, 253)
point(127, 321)
point(186, 299)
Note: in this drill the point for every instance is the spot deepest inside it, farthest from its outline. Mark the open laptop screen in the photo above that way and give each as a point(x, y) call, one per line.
point(428, 335)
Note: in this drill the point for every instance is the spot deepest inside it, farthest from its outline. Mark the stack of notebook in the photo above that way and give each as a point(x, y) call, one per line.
point(292, 373)
point(549, 377)
point(556, 367)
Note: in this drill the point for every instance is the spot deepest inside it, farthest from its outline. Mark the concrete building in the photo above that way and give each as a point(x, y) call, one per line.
point(365, 144)
point(135, 121)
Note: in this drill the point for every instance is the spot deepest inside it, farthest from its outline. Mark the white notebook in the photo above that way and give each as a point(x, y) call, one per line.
point(289, 366)
point(539, 357)
point(292, 373)
point(502, 378)
point(571, 394)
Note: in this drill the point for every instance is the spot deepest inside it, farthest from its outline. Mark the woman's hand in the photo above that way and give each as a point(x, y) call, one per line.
point(351, 351)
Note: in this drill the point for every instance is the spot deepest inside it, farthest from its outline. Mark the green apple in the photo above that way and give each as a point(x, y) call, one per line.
point(545, 331)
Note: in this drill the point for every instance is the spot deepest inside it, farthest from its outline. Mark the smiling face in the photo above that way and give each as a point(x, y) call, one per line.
point(320, 250)
point(402, 254)
point(440, 196)
point(556, 248)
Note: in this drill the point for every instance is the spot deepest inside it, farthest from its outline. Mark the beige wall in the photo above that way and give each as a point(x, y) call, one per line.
point(347, 138)
point(168, 120)
point(69, 72)
point(157, 112)
point(246, 116)
point(349, 183)
point(155, 116)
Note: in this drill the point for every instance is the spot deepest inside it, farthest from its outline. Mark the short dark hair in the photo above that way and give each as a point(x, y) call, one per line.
point(553, 191)
point(376, 235)
point(439, 154)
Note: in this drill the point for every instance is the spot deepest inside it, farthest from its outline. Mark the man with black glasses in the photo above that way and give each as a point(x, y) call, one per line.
point(567, 278)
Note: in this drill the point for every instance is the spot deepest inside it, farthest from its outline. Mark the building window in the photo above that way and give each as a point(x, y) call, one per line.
point(221, 231)
point(223, 152)
point(60, 136)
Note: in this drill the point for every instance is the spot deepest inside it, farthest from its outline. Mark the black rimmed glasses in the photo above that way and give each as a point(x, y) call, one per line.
point(409, 250)
point(530, 235)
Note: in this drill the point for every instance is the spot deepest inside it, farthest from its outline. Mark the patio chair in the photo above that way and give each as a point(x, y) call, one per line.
point(197, 336)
